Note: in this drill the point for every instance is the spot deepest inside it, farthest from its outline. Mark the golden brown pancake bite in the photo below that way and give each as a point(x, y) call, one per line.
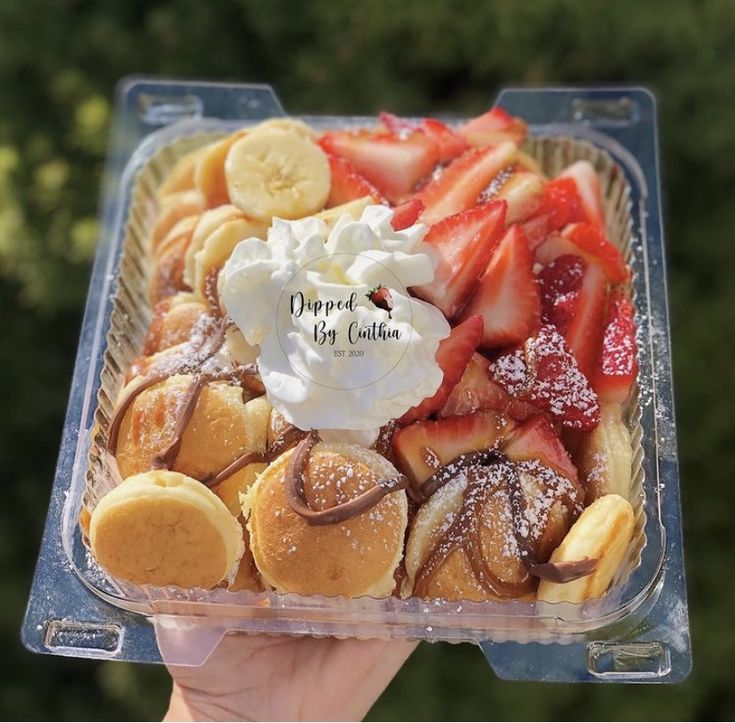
point(164, 528)
point(328, 519)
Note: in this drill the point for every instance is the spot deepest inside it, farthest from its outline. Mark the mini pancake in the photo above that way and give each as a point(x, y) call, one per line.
point(208, 223)
point(221, 429)
point(229, 491)
point(474, 511)
point(352, 558)
point(167, 276)
point(164, 528)
point(209, 174)
point(172, 209)
point(181, 176)
point(174, 320)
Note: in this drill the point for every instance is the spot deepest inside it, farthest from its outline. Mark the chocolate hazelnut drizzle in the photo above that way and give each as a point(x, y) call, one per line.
point(294, 485)
point(465, 531)
point(244, 375)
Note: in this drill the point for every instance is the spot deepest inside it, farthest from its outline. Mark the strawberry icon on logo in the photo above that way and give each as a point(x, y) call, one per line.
point(380, 296)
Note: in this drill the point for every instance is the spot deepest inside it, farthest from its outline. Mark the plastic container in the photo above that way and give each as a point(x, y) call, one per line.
point(637, 632)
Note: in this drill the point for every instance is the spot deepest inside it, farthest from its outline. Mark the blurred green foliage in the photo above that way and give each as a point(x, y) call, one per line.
point(59, 63)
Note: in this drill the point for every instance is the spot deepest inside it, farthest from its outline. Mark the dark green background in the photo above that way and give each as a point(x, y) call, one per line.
point(59, 62)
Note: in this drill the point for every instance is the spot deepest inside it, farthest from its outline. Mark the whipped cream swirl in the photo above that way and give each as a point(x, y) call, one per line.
point(330, 356)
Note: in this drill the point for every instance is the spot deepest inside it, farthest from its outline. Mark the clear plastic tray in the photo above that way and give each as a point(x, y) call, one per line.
point(637, 632)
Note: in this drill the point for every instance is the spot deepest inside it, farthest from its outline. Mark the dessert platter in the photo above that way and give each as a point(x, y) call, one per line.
point(375, 376)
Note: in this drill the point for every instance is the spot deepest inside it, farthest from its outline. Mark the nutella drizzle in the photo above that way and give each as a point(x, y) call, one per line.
point(294, 485)
point(465, 532)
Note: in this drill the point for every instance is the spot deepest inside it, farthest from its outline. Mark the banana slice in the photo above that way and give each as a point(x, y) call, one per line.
point(172, 209)
point(273, 172)
point(239, 350)
point(209, 222)
point(354, 209)
point(605, 456)
point(209, 175)
point(529, 163)
point(181, 176)
point(287, 124)
point(220, 244)
point(523, 192)
point(603, 533)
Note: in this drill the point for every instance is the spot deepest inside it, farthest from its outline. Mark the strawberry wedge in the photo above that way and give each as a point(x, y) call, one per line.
point(476, 391)
point(587, 183)
point(523, 191)
point(559, 285)
point(406, 214)
point(452, 356)
point(462, 246)
point(584, 335)
point(537, 439)
point(495, 126)
point(348, 184)
point(423, 447)
point(506, 296)
point(583, 239)
point(393, 164)
point(617, 367)
point(543, 372)
point(562, 202)
point(458, 187)
point(449, 143)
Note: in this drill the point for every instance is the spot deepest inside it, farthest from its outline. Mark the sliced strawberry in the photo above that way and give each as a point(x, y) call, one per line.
point(462, 244)
point(617, 368)
point(544, 373)
point(536, 230)
point(452, 356)
point(537, 439)
point(506, 296)
point(587, 181)
point(392, 163)
point(449, 143)
point(348, 184)
point(476, 391)
point(459, 185)
point(521, 189)
point(406, 214)
point(421, 448)
point(593, 245)
point(559, 285)
point(584, 335)
point(584, 240)
point(494, 127)
point(562, 203)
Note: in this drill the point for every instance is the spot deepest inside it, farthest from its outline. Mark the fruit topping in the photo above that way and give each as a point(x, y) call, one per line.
point(406, 214)
point(537, 439)
point(463, 244)
point(494, 127)
point(348, 184)
point(559, 285)
point(449, 143)
point(452, 356)
point(457, 187)
point(584, 335)
point(617, 367)
point(425, 446)
point(544, 373)
point(592, 244)
point(562, 203)
point(393, 164)
point(587, 182)
point(506, 296)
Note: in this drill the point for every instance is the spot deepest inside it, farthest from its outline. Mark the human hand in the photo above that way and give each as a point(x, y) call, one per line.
point(286, 678)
